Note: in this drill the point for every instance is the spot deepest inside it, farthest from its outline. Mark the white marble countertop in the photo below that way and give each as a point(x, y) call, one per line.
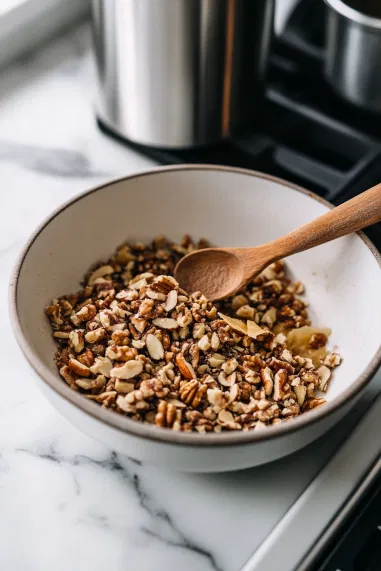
point(67, 502)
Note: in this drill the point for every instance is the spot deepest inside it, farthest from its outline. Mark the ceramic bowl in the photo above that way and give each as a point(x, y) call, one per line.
point(230, 207)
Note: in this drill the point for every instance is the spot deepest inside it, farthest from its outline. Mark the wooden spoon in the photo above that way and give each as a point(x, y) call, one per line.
point(220, 272)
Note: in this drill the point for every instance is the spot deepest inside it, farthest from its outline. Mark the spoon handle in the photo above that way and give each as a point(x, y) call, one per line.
point(353, 215)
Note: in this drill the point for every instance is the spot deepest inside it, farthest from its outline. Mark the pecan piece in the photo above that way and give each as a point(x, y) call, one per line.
point(167, 415)
point(79, 368)
point(280, 380)
point(192, 392)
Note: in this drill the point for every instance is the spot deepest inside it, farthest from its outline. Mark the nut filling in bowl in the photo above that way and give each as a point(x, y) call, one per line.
point(134, 342)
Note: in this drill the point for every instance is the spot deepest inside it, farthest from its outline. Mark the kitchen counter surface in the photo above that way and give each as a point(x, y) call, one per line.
point(67, 502)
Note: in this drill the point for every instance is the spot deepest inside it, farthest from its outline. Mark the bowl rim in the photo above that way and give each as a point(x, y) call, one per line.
point(153, 433)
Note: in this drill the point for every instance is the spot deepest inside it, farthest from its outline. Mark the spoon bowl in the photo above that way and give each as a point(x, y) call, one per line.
point(220, 272)
point(212, 271)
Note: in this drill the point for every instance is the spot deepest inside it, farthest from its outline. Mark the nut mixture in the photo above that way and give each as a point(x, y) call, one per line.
point(136, 343)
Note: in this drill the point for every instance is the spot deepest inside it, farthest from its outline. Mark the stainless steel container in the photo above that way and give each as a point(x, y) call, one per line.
point(180, 73)
point(353, 51)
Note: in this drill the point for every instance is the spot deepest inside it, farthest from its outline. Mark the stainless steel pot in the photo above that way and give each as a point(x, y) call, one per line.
point(353, 51)
point(180, 73)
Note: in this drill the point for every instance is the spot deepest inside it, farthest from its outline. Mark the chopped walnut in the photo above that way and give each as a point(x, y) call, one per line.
point(131, 340)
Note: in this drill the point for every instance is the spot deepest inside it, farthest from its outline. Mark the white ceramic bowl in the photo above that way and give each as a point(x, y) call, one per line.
point(230, 207)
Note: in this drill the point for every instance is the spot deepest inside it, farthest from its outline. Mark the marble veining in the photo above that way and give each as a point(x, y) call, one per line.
point(49, 161)
point(162, 527)
point(67, 502)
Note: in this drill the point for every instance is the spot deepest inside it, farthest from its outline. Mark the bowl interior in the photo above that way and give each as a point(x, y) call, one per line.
point(343, 278)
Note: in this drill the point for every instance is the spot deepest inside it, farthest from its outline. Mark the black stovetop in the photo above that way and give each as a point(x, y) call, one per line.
point(307, 135)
